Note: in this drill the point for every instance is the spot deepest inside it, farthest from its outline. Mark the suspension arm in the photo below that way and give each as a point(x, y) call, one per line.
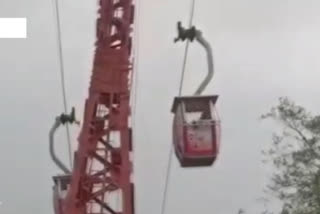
point(62, 119)
point(53, 155)
point(209, 76)
point(191, 34)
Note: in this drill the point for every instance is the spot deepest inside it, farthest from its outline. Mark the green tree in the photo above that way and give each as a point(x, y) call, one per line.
point(295, 155)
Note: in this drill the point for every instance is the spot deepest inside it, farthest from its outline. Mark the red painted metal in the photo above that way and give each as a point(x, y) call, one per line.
point(100, 181)
point(196, 130)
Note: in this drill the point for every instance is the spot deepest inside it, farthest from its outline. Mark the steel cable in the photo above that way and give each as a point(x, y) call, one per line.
point(61, 64)
point(168, 171)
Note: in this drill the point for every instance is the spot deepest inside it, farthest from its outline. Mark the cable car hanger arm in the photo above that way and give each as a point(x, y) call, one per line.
point(192, 34)
point(62, 119)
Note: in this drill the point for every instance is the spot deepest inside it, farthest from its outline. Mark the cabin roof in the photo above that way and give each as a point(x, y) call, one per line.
point(193, 100)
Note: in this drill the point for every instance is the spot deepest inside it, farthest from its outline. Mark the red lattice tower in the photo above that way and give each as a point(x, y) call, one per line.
point(101, 177)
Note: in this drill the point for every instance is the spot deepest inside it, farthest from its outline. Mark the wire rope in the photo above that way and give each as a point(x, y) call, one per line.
point(168, 171)
point(62, 73)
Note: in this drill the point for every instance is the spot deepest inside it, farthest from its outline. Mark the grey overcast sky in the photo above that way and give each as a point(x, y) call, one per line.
point(262, 49)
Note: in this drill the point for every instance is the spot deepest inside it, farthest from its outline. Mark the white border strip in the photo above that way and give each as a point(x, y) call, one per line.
point(13, 28)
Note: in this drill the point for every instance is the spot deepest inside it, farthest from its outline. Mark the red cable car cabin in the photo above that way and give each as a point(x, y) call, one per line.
point(196, 130)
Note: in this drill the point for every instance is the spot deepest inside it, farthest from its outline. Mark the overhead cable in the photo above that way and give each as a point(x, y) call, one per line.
point(168, 171)
point(62, 73)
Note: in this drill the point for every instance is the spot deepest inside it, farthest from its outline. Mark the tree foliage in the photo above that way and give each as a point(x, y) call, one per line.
point(295, 154)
